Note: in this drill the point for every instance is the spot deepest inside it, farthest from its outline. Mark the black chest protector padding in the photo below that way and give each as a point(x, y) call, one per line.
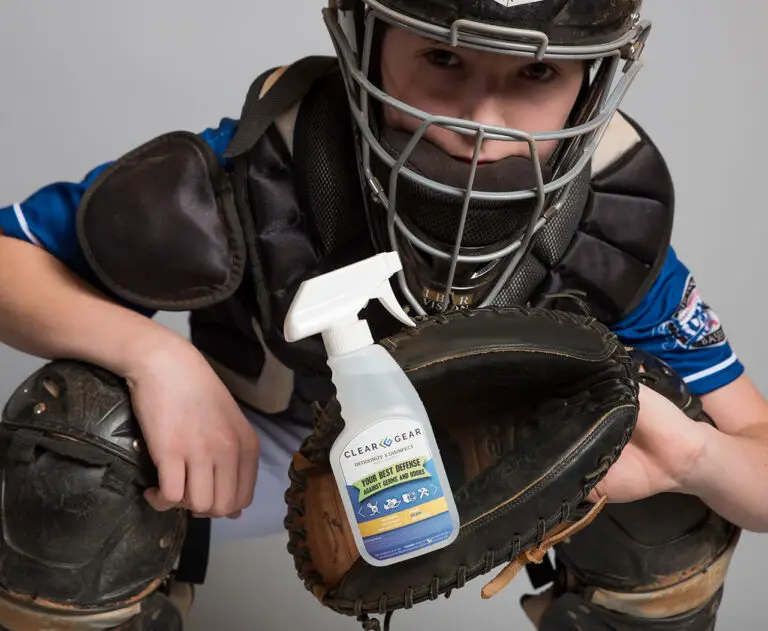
point(159, 227)
point(307, 214)
point(304, 214)
point(329, 184)
point(617, 238)
point(328, 188)
point(624, 234)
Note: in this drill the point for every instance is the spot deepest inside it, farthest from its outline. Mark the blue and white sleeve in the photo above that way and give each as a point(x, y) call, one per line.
point(676, 324)
point(47, 218)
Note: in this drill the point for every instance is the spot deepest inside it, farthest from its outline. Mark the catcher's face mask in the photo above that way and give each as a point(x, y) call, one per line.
point(462, 213)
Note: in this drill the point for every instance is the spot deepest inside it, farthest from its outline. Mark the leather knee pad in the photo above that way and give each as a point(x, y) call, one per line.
point(158, 613)
point(569, 612)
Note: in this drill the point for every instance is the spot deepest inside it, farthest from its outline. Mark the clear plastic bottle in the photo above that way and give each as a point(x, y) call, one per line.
point(386, 460)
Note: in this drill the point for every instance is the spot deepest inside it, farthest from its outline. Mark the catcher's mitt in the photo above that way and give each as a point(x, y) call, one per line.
point(530, 408)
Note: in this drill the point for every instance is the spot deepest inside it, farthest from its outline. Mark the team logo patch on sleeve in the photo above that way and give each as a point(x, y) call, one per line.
point(694, 324)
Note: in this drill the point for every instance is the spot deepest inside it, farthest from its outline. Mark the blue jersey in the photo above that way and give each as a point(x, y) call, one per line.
point(672, 322)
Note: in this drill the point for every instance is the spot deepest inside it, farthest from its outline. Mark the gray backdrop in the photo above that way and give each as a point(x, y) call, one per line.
point(83, 81)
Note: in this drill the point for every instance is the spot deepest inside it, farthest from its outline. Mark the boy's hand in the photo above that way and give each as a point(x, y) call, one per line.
point(205, 450)
point(659, 456)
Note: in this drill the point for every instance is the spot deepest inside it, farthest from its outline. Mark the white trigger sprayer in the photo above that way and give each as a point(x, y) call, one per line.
point(386, 460)
point(330, 304)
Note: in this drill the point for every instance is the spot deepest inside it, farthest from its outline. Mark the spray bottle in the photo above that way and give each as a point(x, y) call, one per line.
point(386, 460)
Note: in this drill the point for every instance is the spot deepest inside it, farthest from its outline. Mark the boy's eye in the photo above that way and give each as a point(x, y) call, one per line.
point(442, 58)
point(538, 72)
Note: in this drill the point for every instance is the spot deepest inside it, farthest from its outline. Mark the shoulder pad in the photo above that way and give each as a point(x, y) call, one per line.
point(159, 227)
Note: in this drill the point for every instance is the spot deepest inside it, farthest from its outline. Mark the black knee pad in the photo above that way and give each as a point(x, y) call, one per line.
point(570, 612)
point(158, 613)
point(78, 537)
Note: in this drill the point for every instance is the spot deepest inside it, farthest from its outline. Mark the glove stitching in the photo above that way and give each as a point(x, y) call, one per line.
point(500, 511)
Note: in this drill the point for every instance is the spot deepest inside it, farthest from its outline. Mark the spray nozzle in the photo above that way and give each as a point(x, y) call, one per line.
point(330, 304)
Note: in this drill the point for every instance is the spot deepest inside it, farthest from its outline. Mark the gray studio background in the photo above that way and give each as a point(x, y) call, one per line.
point(83, 81)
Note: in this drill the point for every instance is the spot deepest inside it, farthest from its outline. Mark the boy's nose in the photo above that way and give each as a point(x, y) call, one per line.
point(490, 113)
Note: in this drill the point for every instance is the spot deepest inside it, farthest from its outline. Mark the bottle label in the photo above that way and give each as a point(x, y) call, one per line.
point(396, 495)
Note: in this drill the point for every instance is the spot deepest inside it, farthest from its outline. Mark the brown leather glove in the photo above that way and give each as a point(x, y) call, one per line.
point(530, 408)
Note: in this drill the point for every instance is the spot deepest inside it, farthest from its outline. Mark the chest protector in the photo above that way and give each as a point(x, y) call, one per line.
point(298, 182)
point(289, 206)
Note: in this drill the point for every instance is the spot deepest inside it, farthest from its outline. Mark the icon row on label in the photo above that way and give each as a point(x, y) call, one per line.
point(392, 503)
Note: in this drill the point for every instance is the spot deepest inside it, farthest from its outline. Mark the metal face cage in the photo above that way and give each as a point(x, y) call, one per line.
point(615, 65)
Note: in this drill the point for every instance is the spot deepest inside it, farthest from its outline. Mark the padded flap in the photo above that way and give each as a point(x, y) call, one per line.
point(159, 227)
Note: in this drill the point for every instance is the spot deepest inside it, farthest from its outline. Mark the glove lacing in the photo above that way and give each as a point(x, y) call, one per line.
point(537, 554)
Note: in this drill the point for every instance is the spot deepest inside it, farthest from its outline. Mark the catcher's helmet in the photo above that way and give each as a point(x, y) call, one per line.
point(459, 239)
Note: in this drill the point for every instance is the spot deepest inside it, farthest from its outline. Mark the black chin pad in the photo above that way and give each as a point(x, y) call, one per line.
point(514, 173)
point(159, 227)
